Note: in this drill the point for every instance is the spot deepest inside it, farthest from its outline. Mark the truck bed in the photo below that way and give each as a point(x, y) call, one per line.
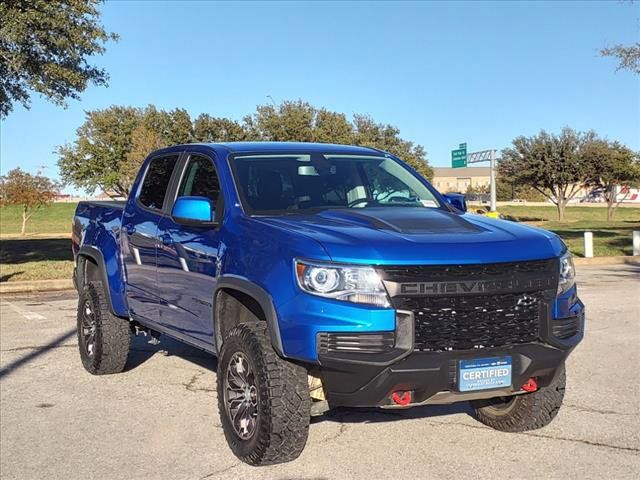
point(95, 234)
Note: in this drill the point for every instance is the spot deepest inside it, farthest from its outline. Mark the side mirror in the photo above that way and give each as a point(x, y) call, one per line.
point(457, 200)
point(194, 211)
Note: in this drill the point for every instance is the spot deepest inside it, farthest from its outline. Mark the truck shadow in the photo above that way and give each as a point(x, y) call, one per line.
point(142, 351)
point(375, 415)
point(17, 251)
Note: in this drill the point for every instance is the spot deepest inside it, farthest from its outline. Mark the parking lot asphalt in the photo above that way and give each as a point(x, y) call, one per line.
point(159, 418)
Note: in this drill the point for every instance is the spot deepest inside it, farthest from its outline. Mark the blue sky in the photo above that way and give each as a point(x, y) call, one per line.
point(444, 73)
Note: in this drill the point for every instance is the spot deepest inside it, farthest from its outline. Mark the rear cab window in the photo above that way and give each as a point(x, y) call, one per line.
point(156, 181)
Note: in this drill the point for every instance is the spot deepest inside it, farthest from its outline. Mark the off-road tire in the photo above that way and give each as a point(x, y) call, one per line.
point(112, 337)
point(524, 412)
point(283, 403)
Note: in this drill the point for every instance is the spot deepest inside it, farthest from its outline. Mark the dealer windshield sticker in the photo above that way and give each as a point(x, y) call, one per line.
point(484, 373)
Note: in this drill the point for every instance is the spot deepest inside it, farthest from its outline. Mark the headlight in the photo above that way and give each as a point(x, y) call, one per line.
point(342, 282)
point(567, 273)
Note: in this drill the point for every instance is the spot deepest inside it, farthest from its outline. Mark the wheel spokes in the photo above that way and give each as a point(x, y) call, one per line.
point(241, 396)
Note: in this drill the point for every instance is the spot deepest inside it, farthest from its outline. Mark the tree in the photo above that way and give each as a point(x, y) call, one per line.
point(614, 166)
point(143, 141)
point(46, 47)
point(551, 164)
point(369, 133)
point(212, 129)
point(28, 191)
point(302, 122)
point(112, 143)
point(102, 144)
point(628, 56)
point(507, 189)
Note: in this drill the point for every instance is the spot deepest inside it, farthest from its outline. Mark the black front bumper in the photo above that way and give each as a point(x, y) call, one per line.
point(428, 374)
point(355, 379)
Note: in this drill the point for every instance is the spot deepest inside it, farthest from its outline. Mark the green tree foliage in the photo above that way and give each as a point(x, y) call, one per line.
point(302, 122)
point(614, 167)
point(553, 165)
point(209, 129)
point(28, 191)
point(112, 143)
point(45, 46)
point(507, 189)
point(102, 144)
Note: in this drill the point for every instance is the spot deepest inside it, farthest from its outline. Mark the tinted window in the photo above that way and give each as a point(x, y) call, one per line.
point(200, 180)
point(271, 183)
point(156, 182)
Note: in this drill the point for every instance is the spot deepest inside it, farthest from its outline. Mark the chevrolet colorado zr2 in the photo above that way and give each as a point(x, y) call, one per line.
point(324, 276)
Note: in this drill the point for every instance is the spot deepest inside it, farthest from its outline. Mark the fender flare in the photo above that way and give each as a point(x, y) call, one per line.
point(244, 285)
point(96, 255)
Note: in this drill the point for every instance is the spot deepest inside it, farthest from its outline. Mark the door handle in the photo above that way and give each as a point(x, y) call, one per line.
point(130, 229)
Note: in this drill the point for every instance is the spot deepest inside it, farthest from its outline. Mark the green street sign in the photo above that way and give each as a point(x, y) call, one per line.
point(459, 157)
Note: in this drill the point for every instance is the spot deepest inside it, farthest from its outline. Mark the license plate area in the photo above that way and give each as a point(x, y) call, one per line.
point(484, 373)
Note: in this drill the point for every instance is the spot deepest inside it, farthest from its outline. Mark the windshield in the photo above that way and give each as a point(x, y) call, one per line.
point(291, 182)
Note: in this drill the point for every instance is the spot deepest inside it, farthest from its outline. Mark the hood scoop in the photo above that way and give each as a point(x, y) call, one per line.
point(404, 220)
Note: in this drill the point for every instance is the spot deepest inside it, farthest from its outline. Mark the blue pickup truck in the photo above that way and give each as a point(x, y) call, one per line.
point(324, 276)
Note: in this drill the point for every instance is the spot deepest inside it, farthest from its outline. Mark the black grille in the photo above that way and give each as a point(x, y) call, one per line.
point(416, 273)
point(475, 321)
point(463, 307)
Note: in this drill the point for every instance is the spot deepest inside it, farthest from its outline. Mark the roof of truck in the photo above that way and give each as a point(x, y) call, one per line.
point(294, 147)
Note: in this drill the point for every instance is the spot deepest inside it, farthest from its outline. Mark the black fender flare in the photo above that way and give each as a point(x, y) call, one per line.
point(260, 295)
point(96, 255)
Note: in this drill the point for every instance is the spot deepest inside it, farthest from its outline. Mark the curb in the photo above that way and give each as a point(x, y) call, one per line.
point(619, 260)
point(67, 284)
point(36, 286)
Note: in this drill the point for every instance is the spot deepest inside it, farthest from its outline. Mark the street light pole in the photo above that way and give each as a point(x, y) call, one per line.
point(493, 181)
point(487, 156)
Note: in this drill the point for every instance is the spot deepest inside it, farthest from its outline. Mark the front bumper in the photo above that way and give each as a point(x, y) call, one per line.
point(433, 377)
point(356, 379)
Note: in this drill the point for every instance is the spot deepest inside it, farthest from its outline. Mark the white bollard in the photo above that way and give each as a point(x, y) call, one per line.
point(636, 242)
point(588, 244)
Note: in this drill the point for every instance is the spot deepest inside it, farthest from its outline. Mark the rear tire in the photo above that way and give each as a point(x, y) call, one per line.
point(521, 413)
point(103, 338)
point(263, 400)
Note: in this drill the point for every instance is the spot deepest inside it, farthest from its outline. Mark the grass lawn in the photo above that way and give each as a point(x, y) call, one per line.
point(35, 259)
point(44, 254)
point(55, 218)
point(609, 238)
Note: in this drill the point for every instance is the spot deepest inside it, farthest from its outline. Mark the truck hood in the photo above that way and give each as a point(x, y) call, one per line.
point(397, 235)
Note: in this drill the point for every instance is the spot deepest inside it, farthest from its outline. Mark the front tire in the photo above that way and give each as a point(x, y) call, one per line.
point(521, 413)
point(103, 339)
point(263, 400)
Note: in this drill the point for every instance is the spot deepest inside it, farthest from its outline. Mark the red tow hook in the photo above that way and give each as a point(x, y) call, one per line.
point(530, 385)
point(401, 398)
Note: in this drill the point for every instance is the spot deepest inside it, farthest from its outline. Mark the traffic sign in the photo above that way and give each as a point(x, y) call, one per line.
point(459, 156)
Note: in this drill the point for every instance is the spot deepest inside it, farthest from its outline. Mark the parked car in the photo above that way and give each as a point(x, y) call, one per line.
point(325, 276)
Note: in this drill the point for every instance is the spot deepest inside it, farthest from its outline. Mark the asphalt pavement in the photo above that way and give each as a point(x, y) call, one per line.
point(159, 419)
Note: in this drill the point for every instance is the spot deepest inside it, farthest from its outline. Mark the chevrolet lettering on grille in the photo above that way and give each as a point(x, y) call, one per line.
point(470, 287)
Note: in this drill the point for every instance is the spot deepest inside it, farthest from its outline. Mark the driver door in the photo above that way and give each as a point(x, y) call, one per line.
point(189, 257)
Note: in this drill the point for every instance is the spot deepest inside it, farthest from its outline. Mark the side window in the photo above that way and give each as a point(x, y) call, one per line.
point(200, 180)
point(156, 181)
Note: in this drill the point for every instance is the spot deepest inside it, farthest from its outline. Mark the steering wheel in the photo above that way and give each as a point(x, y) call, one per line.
point(358, 201)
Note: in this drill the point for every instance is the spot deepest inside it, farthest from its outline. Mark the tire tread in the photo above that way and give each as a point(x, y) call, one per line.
point(114, 334)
